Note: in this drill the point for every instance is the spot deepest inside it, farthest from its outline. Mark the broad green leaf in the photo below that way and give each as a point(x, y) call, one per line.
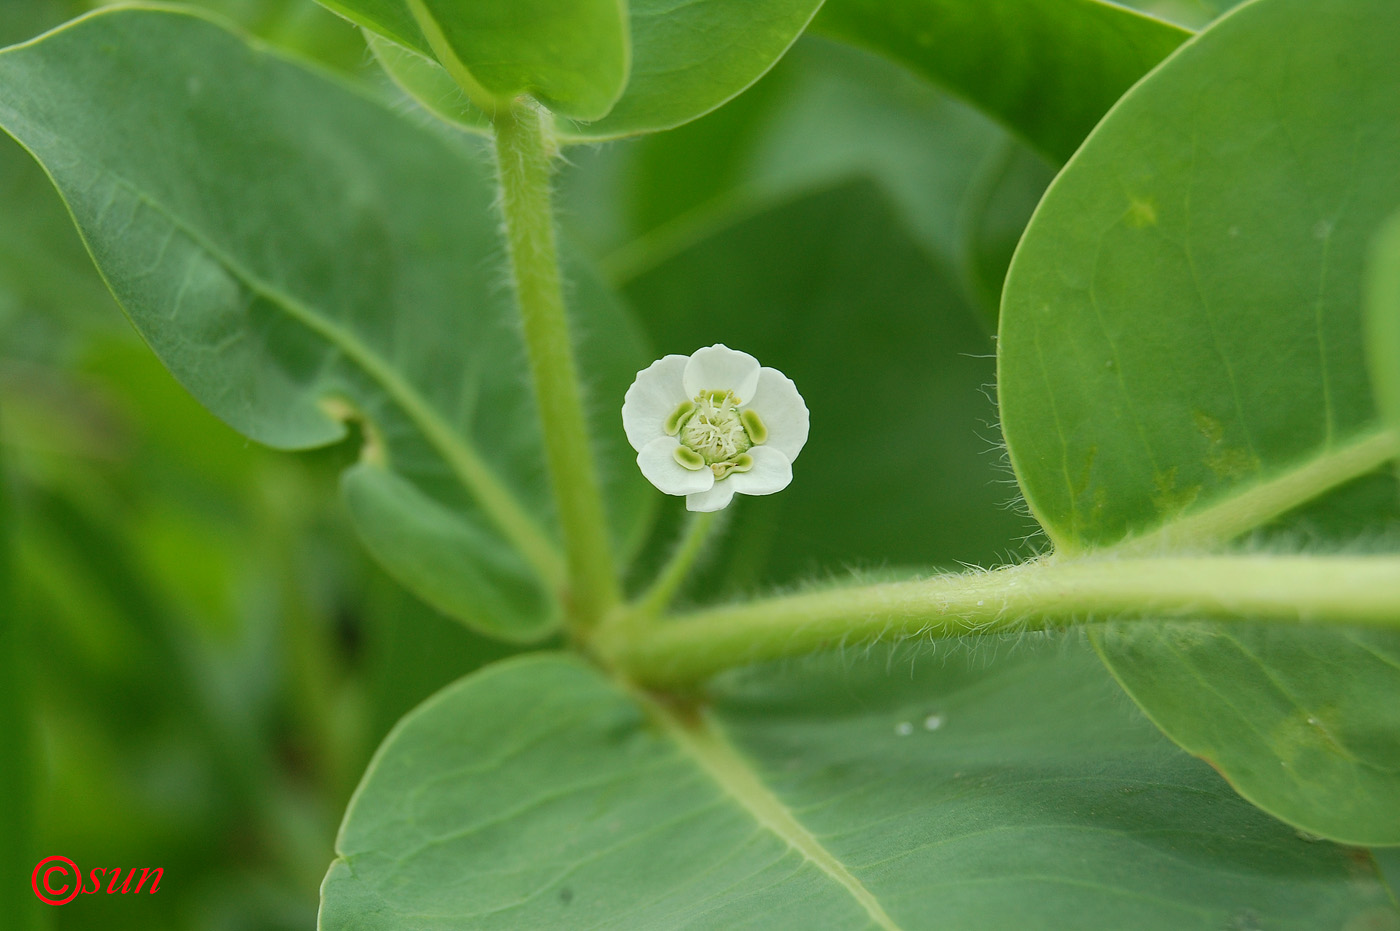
point(298, 255)
point(570, 55)
point(1383, 322)
point(835, 795)
point(1303, 722)
point(1181, 359)
point(1181, 322)
point(831, 290)
point(1047, 69)
point(687, 59)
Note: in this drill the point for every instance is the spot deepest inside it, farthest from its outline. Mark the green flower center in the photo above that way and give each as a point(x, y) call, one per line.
point(714, 432)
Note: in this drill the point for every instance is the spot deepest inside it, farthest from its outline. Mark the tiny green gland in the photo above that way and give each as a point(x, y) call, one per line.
point(740, 463)
point(673, 423)
point(689, 458)
point(753, 426)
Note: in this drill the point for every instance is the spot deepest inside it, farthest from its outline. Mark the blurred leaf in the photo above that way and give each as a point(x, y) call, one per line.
point(1193, 14)
point(410, 652)
point(1383, 321)
point(827, 114)
point(17, 777)
point(830, 290)
point(1388, 861)
point(1181, 327)
point(1047, 69)
point(296, 255)
point(536, 793)
point(687, 59)
point(49, 294)
point(25, 19)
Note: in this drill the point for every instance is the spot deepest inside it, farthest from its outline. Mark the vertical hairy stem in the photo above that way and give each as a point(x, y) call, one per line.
point(674, 573)
point(523, 155)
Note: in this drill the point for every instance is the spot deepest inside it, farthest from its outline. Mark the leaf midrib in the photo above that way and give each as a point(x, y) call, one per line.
point(1253, 506)
point(706, 744)
point(500, 505)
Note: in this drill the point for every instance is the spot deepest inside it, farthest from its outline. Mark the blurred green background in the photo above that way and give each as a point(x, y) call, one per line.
point(196, 656)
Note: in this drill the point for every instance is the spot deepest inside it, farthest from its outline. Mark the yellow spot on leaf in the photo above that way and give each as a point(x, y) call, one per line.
point(1210, 428)
point(1142, 211)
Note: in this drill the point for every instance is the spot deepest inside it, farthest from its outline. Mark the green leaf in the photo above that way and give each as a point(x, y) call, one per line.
point(687, 59)
point(1302, 722)
point(1383, 322)
point(297, 256)
point(1181, 322)
point(389, 18)
point(1193, 14)
point(1388, 863)
point(835, 795)
point(426, 82)
point(570, 55)
point(1181, 362)
point(1047, 69)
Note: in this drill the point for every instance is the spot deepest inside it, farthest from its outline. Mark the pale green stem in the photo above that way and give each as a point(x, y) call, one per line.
point(1350, 591)
point(523, 156)
point(655, 599)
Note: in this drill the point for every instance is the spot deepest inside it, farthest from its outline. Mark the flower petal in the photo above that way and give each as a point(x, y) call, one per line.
point(771, 472)
point(783, 412)
point(657, 390)
point(658, 463)
point(716, 499)
point(719, 368)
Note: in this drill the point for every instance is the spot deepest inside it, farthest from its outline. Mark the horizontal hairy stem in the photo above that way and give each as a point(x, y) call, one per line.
point(1345, 591)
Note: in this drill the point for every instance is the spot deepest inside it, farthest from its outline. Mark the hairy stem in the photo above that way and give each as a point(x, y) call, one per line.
point(1360, 590)
point(523, 155)
point(655, 599)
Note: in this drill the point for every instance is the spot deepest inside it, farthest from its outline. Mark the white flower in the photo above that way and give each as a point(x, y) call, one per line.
point(714, 424)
